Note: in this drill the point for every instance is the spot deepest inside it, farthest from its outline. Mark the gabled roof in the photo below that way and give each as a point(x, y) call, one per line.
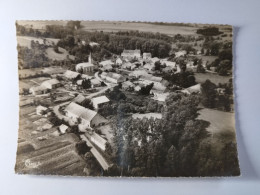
point(51, 82)
point(38, 88)
point(95, 81)
point(84, 65)
point(127, 83)
point(106, 62)
point(136, 51)
point(79, 99)
point(80, 111)
point(71, 74)
point(98, 138)
point(85, 76)
point(100, 100)
point(63, 128)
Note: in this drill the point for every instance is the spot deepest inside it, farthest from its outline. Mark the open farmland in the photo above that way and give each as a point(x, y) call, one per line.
point(215, 78)
point(25, 41)
point(56, 158)
point(219, 121)
point(51, 54)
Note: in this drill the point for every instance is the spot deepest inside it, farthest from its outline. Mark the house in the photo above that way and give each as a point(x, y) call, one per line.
point(95, 83)
point(79, 99)
point(41, 110)
point(113, 77)
point(139, 73)
point(99, 101)
point(38, 90)
point(92, 44)
point(107, 68)
point(127, 85)
point(54, 70)
point(85, 67)
point(192, 89)
point(98, 141)
point(79, 82)
point(51, 84)
point(63, 128)
point(129, 66)
point(85, 76)
point(180, 53)
point(106, 62)
point(149, 66)
point(85, 117)
point(147, 56)
point(167, 69)
point(131, 54)
point(71, 75)
point(137, 88)
point(159, 95)
point(103, 75)
point(119, 61)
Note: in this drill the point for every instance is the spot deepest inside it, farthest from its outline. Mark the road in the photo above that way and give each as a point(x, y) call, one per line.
point(104, 164)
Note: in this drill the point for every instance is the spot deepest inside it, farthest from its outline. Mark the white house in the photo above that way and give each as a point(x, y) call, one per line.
point(51, 84)
point(147, 56)
point(41, 110)
point(87, 118)
point(119, 61)
point(131, 54)
point(106, 62)
point(180, 53)
point(38, 90)
point(63, 128)
point(99, 101)
point(71, 74)
point(113, 77)
point(127, 85)
point(95, 83)
point(98, 141)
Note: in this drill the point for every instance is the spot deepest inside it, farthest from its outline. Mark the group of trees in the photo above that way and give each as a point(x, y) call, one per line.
point(31, 58)
point(210, 31)
point(183, 79)
point(223, 63)
point(211, 98)
point(171, 146)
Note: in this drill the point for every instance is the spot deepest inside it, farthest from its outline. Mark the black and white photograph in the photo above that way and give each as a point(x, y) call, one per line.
point(126, 99)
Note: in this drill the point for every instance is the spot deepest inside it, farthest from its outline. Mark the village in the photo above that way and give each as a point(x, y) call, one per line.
point(74, 108)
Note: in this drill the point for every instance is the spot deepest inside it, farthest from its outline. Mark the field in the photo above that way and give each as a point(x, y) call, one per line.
point(51, 54)
point(215, 78)
point(219, 121)
point(25, 41)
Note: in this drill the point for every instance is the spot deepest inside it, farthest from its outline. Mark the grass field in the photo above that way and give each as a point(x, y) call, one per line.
point(219, 121)
point(51, 54)
point(25, 41)
point(215, 78)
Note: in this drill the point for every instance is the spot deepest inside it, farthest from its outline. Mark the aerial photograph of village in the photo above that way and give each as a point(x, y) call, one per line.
point(125, 99)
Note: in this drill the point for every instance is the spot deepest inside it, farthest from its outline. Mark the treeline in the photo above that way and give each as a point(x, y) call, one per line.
point(210, 31)
point(173, 146)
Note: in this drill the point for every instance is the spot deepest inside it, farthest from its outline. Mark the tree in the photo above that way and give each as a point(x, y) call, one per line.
point(157, 65)
point(145, 90)
point(81, 147)
point(208, 92)
point(86, 84)
point(224, 67)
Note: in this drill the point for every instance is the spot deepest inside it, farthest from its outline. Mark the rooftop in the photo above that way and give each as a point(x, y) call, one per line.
point(71, 74)
point(51, 81)
point(100, 100)
point(80, 111)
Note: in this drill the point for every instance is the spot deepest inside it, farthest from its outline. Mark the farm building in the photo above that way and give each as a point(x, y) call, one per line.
point(88, 118)
point(71, 75)
point(95, 83)
point(106, 62)
point(180, 53)
point(38, 90)
point(51, 84)
point(127, 85)
point(41, 110)
point(112, 77)
point(107, 68)
point(63, 128)
point(147, 56)
point(159, 95)
point(131, 54)
point(192, 89)
point(119, 61)
point(149, 66)
point(85, 67)
point(79, 99)
point(98, 141)
point(129, 65)
point(85, 76)
point(99, 101)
